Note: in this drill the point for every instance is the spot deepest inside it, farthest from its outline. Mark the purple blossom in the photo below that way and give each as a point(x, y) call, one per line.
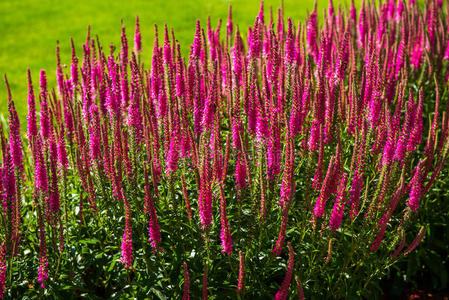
point(205, 199)
point(3, 266)
point(312, 33)
point(43, 271)
point(45, 117)
point(32, 127)
point(173, 154)
point(290, 45)
point(225, 233)
point(314, 137)
point(339, 206)
point(95, 143)
point(320, 204)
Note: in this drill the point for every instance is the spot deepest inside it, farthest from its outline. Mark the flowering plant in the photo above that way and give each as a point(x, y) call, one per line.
point(293, 165)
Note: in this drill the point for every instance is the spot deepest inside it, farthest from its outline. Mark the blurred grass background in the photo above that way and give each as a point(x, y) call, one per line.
point(30, 29)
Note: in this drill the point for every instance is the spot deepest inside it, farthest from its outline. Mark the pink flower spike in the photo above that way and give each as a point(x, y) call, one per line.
point(3, 266)
point(283, 290)
point(416, 188)
point(339, 206)
point(137, 37)
point(32, 127)
point(320, 204)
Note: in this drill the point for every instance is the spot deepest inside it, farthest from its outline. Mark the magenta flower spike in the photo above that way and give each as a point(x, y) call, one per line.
point(355, 192)
point(59, 74)
point(315, 136)
point(127, 243)
point(312, 33)
point(288, 186)
point(237, 63)
point(431, 25)
point(339, 206)
point(210, 105)
point(173, 154)
point(180, 78)
point(40, 167)
point(383, 222)
point(415, 136)
point(168, 59)
point(205, 198)
point(330, 9)
point(416, 188)
point(32, 127)
point(281, 237)
point(290, 54)
point(225, 233)
point(45, 118)
point(353, 12)
point(399, 10)
point(283, 290)
point(198, 107)
point(137, 37)
point(15, 144)
point(123, 51)
point(381, 28)
point(229, 24)
point(274, 153)
point(362, 25)
point(54, 189)
point(262, 131)
point(74, 66)
point(261, 13)
point(320, 204)
point(342, 59)
point(400, 57)
point(94, 140)
point(389, 148)
point(62, 151)
point(255, 41)
point(135, 120)
point(153, 226)
point(43, 271)
point(391, 9)
point(197, 45)
point(9, 183)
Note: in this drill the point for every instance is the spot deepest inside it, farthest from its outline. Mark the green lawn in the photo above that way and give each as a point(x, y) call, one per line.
point(30, 29)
